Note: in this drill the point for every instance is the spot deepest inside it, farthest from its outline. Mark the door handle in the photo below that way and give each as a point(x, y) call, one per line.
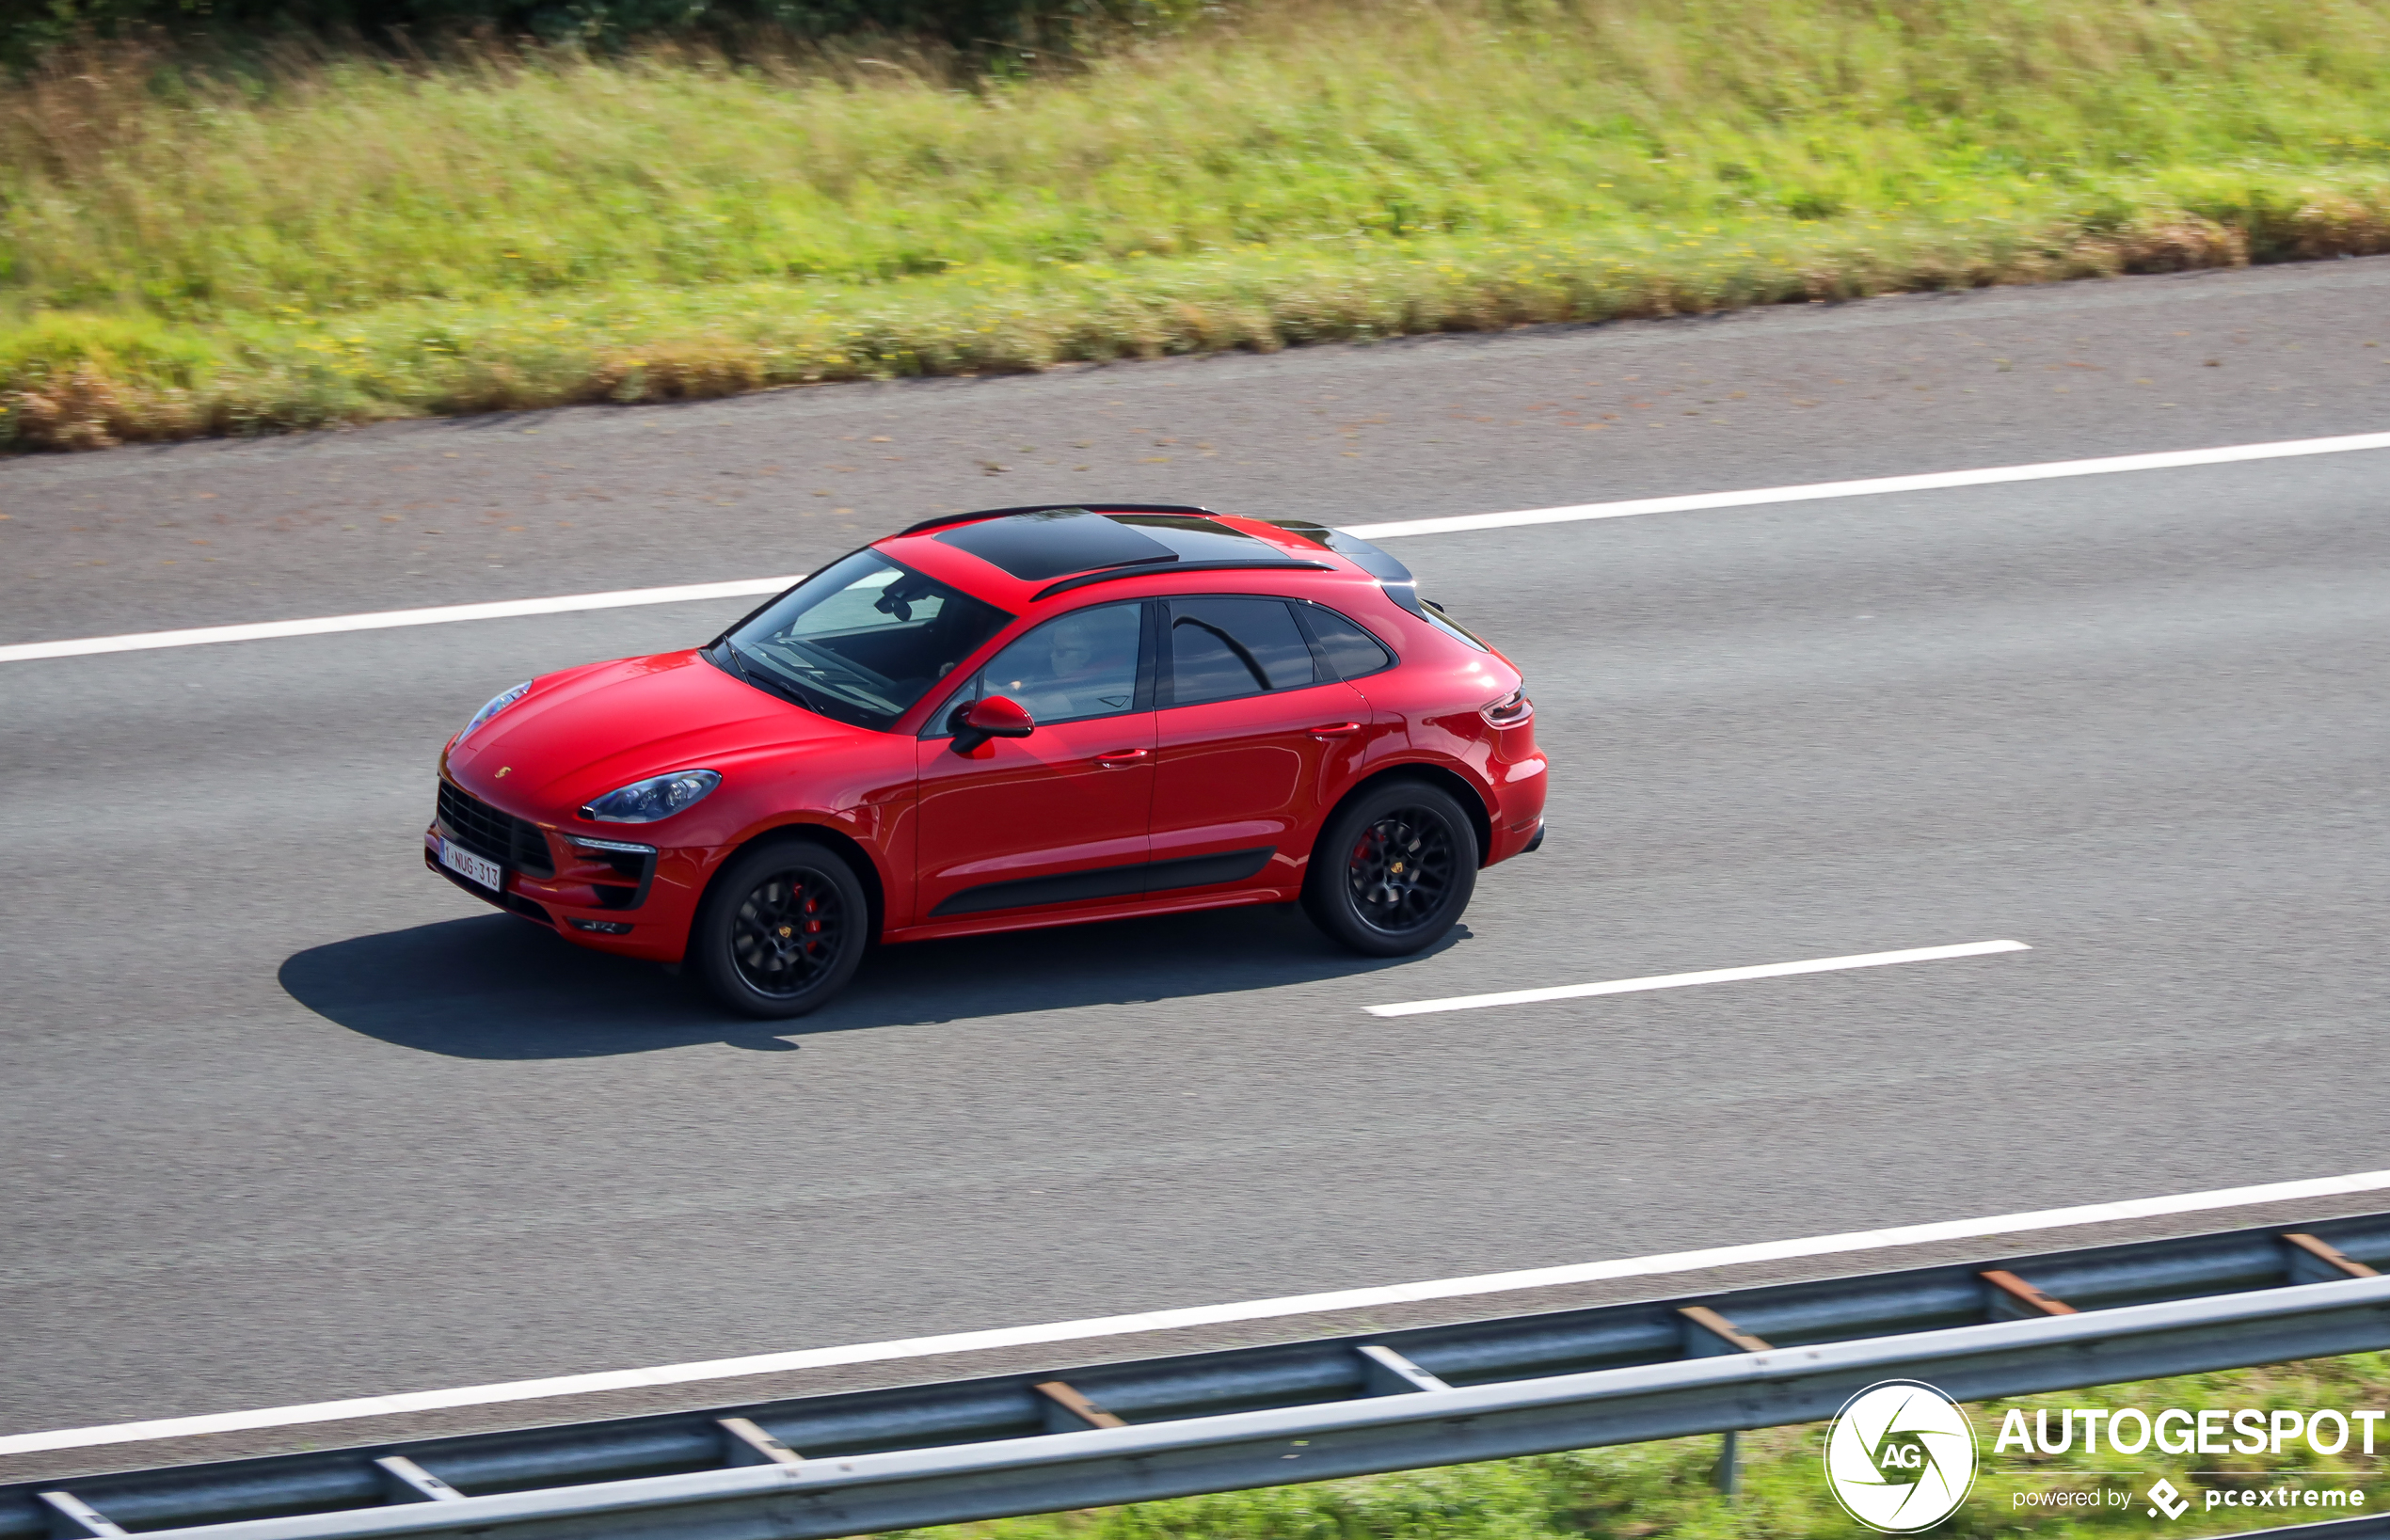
point(1333, 729)
point(1121, 758)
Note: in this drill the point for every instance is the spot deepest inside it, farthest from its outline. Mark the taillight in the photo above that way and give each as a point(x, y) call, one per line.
point(1511, 711)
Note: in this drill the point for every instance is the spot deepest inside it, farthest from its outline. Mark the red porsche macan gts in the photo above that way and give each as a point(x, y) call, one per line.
point(1002, 720)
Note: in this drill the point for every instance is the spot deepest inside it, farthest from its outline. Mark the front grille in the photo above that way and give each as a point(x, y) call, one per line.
point(499, 835)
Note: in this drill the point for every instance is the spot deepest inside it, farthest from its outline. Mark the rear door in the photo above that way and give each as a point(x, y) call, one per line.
point(1057, 819)
point(1255, 738)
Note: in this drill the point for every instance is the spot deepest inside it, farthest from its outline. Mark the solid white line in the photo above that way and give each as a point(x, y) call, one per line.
point(1712, 975)
point(384, 620)
point(1935, 481)
point(1203, 1315)
point(1877, 486)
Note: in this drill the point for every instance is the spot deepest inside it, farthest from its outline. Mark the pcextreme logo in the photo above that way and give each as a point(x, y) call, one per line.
point(1900, 1456)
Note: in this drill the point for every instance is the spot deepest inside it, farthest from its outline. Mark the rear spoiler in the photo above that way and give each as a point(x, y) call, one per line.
point(1392, 575)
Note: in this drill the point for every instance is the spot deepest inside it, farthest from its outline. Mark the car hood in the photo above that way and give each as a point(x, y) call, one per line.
point(580, 734)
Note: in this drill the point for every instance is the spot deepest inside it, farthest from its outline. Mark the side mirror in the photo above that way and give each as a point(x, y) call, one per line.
point(992, 717)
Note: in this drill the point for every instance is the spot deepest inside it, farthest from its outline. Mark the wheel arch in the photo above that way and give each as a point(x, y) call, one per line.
point(1471, 802)
point(848, 849)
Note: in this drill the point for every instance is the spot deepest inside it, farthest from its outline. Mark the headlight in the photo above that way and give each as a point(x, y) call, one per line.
point(658, 796)
point(496, 703)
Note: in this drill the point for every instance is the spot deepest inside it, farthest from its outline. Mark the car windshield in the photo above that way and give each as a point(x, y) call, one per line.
point(859, 641)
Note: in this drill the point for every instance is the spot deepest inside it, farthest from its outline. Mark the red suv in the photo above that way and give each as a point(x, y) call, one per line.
point(1002, 720)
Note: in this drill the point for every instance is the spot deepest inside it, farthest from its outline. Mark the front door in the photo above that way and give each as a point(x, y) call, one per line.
point(1254, 741)
point(1058, 818)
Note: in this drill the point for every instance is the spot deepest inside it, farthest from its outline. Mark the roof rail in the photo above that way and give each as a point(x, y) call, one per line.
point(944, 519)
point(1157, 569)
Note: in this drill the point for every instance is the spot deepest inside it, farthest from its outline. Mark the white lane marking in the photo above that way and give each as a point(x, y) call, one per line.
point(1711, 975)
point(1877, 486)
point(1202, 1315)
point(1935, 481)
point(385, 619)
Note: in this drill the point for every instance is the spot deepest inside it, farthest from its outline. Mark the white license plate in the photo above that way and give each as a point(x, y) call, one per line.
point(473, 868)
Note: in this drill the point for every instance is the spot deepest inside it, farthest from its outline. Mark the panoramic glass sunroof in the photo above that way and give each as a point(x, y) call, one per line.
point(1055, 543)
point(1050, 544)
point(1200, 539)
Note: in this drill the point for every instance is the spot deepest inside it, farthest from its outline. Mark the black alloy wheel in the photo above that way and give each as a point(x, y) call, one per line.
point(1400, 869)
point(782, 930)
point(1394, 869)
point(785, 935)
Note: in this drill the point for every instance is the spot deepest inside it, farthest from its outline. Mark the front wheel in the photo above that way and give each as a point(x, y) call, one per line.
point(1393, 869)
point(782, 930)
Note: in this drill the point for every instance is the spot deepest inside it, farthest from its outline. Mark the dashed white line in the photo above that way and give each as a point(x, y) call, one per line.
point(1710, 976)
point(1875, 486)
point(1202, 1315)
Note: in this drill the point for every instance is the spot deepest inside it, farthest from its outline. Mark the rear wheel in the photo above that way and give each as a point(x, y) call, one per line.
point(1393, 870)
point(782, 930)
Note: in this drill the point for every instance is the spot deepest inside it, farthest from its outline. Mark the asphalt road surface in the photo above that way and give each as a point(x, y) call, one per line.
point(284, 1119)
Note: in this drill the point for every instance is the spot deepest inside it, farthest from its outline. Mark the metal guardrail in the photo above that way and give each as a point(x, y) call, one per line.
point(850, 1463)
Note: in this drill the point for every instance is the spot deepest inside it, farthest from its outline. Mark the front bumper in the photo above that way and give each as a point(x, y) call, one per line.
point(611, 894)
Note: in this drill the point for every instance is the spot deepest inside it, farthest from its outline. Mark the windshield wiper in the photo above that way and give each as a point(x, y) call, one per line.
point(788, 689)
point(838, 675)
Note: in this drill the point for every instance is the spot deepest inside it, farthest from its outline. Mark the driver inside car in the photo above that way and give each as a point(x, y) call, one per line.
point(1081, 665)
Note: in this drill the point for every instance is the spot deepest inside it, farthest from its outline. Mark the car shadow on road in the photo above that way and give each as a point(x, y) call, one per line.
point(493, 987)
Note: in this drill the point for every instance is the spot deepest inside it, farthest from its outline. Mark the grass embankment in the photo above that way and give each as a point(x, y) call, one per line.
point(183, 253)
point(1664, 1490)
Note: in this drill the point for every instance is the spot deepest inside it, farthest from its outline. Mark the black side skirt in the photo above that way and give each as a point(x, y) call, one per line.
point(1195, 871)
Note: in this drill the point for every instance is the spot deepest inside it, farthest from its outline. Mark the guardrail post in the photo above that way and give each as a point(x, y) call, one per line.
point(71, 1518)
point(2317, 1261)
point(743, 1443)
point(1067, 1411)
point(1710, 1335)
point(2013, 1299)
point(404, 1481)
point(1387, 1372)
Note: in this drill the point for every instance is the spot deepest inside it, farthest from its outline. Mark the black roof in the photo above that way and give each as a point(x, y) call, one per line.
point(1041, 543)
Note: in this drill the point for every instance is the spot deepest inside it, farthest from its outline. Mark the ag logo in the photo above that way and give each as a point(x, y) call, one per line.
point(1900, 1456)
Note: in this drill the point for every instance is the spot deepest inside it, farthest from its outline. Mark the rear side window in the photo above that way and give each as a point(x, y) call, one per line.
point(1351, 651)
point(1226, 647)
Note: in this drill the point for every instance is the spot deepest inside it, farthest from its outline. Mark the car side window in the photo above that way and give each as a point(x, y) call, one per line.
point(1072, 667)
point(1222, 648)
point(1349, 650)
